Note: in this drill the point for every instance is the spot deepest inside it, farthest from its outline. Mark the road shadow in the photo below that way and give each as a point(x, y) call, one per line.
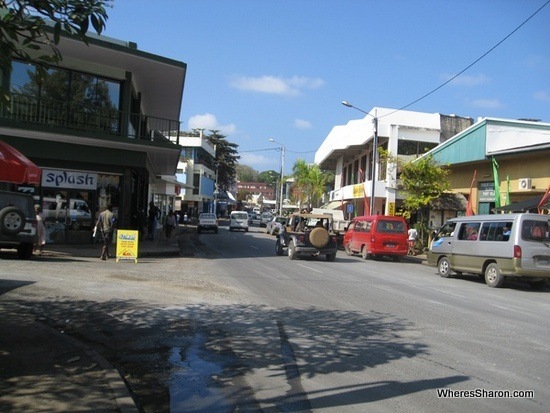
point(289, 344)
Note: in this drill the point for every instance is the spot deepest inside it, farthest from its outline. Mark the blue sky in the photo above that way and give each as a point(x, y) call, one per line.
point(259, 69)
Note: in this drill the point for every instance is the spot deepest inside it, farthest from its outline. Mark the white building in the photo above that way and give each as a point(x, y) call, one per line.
point(348, 151)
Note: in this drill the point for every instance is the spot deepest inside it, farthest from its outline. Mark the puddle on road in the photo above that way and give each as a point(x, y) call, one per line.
point(192, 387)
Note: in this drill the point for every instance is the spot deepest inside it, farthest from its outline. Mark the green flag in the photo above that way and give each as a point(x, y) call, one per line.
point(507, 189)
point(497, 183)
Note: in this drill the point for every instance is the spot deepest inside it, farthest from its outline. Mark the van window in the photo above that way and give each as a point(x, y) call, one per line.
point(391, 227)
point(469, 231)
point(496, 231)
point(535, 230)
point(446, 230)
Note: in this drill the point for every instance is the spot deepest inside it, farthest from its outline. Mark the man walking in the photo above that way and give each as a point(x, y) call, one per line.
point(106, 224)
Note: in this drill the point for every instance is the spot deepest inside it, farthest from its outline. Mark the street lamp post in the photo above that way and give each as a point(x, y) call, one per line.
point(282, 173)
point(374, 152)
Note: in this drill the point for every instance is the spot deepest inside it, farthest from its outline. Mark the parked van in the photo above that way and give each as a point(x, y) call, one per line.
point(376, 236)
point(238, 220)
point(495, 247)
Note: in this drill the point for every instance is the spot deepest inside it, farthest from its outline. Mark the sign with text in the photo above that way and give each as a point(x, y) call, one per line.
point(127, 245)
point(58, 178)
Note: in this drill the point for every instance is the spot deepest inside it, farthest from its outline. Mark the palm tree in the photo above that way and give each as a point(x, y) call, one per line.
point(310, 183)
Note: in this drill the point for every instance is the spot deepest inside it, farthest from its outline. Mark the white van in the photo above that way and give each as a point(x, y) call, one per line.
point(238, 220)
point(495, 247)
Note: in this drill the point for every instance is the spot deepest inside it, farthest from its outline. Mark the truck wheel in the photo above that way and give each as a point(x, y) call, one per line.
point(444, 267)
point(12, 220)
point(330, 257)
point(493, 276)
point(292, 250)
point(319, 237)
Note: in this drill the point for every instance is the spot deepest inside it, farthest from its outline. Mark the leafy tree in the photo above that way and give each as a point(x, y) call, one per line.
point(226, 159)
point(30, 29)
point(423, 180)
point(269, 177)
point(310, 183)
point(246, 173)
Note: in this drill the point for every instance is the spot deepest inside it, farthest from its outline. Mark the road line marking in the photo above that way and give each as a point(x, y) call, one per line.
point(311, 268)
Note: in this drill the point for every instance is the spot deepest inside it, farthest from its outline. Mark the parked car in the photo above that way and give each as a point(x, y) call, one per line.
point(254, 218)
point(18, 227)
point(307, 234)
point(207, 222)
point(265, 218)
point(376, 236)
point(274, 226)
point(238, 220)
point(494, 247)
point(75, 213)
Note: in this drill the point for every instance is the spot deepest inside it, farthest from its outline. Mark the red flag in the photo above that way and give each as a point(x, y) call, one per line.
point(543, 200)
point(366, 207)
point(469, 208)
point(342, 191)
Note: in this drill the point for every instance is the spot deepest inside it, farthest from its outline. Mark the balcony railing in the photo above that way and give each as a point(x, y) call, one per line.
point(92, 119)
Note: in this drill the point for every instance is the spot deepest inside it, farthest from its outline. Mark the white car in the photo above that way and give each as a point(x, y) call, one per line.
point(238, 220)
point(274, 226)
point(207, 222)
point(265, 218)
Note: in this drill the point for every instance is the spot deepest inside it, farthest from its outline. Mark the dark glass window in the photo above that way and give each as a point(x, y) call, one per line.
point(64, 97)
point(414, 147)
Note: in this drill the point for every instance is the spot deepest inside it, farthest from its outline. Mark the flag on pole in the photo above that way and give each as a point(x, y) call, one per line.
point(366, 207)
point(507, 190)
point(543, 200)
point(469, 208)
point(497, 182)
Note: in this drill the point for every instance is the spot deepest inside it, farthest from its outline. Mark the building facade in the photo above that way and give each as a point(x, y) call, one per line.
point(348, 151)
point(499, 165)
point(98, 124)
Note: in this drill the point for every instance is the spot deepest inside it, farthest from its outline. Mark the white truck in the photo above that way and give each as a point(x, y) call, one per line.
point(339, 223)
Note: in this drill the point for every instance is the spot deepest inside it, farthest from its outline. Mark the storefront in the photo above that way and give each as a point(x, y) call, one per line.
point(72, 200)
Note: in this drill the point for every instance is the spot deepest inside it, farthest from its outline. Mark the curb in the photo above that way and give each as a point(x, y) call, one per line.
point(121, 393)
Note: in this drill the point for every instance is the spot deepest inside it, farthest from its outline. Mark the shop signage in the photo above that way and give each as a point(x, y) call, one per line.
point(58, 178)
point(486, 192)
point(127, 244)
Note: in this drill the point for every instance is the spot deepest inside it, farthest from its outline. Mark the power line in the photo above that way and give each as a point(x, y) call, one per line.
point(471, 64)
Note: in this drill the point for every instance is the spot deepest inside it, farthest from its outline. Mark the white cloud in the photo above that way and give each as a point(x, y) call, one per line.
point(542, 95)
point(258, 161)
point(468, 80)
point(276, 85)
point(210, 122)
point(487, 103)
point(302, 124)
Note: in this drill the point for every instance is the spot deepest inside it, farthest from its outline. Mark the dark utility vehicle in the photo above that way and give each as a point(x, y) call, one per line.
point(18, 228)
point(307, 234)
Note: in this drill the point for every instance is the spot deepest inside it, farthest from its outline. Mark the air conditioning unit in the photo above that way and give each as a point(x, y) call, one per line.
point(524, 184)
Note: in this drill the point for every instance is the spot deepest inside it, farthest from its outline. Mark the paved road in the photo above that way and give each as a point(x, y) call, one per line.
point(231, 326)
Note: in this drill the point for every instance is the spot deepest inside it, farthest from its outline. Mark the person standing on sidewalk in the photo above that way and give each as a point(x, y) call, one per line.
point(153, 217)
point(170, 223)
point(41, 229)
point(106, 224)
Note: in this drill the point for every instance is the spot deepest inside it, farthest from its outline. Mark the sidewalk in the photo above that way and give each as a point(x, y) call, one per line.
point(42, 369)
point(159, 247)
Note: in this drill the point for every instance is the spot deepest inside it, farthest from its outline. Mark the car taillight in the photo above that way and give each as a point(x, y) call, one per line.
point(517, 251)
